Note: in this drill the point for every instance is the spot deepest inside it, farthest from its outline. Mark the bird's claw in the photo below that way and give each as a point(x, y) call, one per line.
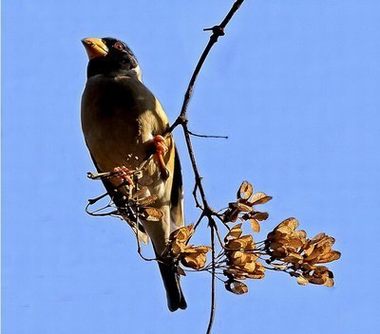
point(160, 148)
point(121, 176)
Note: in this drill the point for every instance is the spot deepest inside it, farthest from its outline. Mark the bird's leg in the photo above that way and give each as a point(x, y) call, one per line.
point(121, 176)
point(160, 149)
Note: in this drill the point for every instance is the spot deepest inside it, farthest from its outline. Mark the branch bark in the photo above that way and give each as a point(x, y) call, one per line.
point(213, 304)
point(207, 211)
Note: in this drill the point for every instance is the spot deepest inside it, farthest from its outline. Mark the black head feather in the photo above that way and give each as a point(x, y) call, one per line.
point(119, 60)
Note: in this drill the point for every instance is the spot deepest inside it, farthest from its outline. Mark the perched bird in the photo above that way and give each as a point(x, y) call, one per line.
point(123, 124)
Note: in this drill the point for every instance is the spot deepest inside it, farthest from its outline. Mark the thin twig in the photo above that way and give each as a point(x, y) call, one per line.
point(217, 31)
point(139, 251)
point(197, 204)
point(207, 136)
point(182, 120)
point(92, 201)
point(198, 221)
point(218, 235)
point(212, 225)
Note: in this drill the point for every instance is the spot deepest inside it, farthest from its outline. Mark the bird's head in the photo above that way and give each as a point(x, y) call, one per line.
point(111, 57)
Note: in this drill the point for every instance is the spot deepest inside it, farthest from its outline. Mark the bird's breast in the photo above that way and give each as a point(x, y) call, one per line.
point(116, 123)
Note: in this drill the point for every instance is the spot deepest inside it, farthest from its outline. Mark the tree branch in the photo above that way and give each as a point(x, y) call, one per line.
point(207, 136)
point(182, 120)
point(217, 31)
point(212, 225)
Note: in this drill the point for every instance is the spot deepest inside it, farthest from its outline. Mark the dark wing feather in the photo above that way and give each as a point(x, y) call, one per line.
point(176, 198)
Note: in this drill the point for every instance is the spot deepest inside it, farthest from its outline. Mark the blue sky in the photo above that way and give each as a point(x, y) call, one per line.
point(294, 84)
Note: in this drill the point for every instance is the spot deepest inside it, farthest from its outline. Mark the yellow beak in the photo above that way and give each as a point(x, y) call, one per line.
point(95, 47)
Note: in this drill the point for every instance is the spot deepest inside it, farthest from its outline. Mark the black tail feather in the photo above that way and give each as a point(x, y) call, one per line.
point(173, 289)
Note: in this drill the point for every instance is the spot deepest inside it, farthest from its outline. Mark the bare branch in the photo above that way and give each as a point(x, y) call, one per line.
point(207, 136)
point(217, 31)
point(182, 120)
point(212, 225)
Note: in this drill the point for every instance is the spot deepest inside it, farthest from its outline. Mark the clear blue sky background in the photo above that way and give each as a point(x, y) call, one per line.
point(295, 84)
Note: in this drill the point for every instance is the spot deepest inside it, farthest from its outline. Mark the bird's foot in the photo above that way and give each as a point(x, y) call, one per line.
point(121, 176)
point(160, 149)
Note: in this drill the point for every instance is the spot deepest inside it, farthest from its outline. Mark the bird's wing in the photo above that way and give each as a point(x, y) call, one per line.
point(176, 198)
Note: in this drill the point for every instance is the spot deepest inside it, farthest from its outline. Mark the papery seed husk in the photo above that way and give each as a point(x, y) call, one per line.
point(243, 207)
point(302, 280)
point(255, 225)
point(238, 287)
point(260, 215)
point(245, 190)
point(290, 223)
point(259, 198)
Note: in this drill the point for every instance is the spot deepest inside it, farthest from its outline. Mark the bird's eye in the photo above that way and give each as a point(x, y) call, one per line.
point(118, 46)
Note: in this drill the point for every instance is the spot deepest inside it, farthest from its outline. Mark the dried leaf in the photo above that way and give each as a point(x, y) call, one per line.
point(294, 258)
point(302, 280)
point(306, 267)
point(248, 239)
point(152, 214)
point(279, 266)
point(250, 267)
point(202, 249)
point(308, 249)
point(195, 249)
point(317, 280)
point(243, 207)
point(238, 258)
point(320, 271)
point(256, 276)
point(189, 261)
point(314, 256)
point(254, 270)
point(325, 242)
point(260, 215)
point(231, 214)
point(301, 234)
point(189, 250)
point(288, 225)
point(177, 247)
point(235, 273)
point(259, 198)
point(236, 244)
point(318, 237)
point(234, 233)
point(245, 242)
point(275, 236)
point(255, 225)
point(295, 242)
point(251, 257)
point(279, 253)
point(182, 234)
point(196, 261)
point(245, 191)
point(260, 268)
point(190, 228)
point(329, 257)
point(236, 287)
point(329, 283)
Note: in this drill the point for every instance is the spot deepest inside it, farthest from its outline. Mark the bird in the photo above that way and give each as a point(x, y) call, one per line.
point(123, 124)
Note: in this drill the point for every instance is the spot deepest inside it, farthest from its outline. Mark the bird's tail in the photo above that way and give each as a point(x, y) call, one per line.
point(172, 285)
